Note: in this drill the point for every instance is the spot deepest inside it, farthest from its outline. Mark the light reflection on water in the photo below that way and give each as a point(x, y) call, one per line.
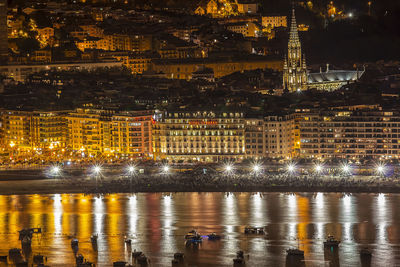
point(156, 223)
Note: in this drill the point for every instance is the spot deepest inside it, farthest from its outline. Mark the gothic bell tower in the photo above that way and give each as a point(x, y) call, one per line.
point(294, 67)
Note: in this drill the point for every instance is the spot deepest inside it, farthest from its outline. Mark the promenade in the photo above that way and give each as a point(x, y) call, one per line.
point(194, 180)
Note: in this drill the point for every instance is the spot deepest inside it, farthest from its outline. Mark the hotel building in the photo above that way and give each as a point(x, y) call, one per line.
point(206, 136)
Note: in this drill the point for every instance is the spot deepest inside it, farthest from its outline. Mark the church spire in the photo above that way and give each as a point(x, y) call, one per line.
point(294, 34)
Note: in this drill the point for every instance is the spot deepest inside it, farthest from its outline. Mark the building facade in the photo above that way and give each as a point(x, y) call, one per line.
point(274, 21)
point(352, 133)
point(99, 132)
point(280, 137)
point(26, 130)
point(205, 136)
point(3, 31)
point(183, 69)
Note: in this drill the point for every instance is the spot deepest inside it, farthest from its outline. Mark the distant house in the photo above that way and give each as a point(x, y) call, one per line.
point(212, 8)
point(244, 8)
point(200, 11)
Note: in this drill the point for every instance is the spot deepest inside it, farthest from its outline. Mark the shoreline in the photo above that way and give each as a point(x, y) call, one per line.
point(34, 182)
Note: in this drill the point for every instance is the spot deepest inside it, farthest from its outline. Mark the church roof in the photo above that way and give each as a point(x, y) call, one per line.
point(335, 75)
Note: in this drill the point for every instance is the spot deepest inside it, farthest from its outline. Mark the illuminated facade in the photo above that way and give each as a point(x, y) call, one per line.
point(255, 138)
point(199, 136)
point(183, 69)
point(274, 21)
point(3, 31)
point(99, 132)
point(353, 133)
point(24, 130)
point(280, 137)
point(295, 68)
point(247, 29)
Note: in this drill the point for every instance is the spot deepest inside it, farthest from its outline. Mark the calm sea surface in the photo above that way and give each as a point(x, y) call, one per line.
point(157, 223)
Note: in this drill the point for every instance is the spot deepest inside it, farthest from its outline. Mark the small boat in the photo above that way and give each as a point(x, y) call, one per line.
point(136, 254)
point(191, 234)
point(94, 238)
point(331, 242)
point(195, 239)
point(14, 252)
point(79, 259)
point(240, 254)
point(74, 242)
point(365, 252)
point(295, 252)
point(142, 260)
point(238, 261)
point(254, 230)
point(179, 255)
point(119, 264)
point(214, 236)
point(38, 259)
point(3, 258)
point(26, 241)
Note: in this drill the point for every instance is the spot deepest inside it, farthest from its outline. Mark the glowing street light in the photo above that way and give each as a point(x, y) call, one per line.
point(291, 167)
point(319, 168)
point(131, 169)
point(12, 144)
point(228, 168)
point(55, 170)
point(165, 169)
point(96, 169)
point(380, 169)
point(346, 169)
point(256, 168)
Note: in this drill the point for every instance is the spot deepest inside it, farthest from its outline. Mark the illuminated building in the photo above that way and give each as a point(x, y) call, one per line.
point(183, 68)
point(3, 31)
point(295, 68)
point(42, 55)
point(296, 77)
point(205, 136)
point(280, 138)
point(124, 42)
point(255, 138)
point(20, 72)
point(244, 7)
point(358, 132)
point(331, 80)
point(98, 132)
point(29, 130)
point(247, 29)
point(274, 21)
point(45, 34)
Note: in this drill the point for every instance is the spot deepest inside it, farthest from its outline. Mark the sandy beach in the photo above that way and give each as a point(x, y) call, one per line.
point(36, 182)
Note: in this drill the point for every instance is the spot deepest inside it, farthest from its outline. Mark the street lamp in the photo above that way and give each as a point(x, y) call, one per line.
point(319, 168)
point(228, 168)
point(55, 170)
point(257, 168)
point(131, 169)
point(165, 169)
point(291, 168)
point(380, 169)
point(346, 169)
point(96, 169)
